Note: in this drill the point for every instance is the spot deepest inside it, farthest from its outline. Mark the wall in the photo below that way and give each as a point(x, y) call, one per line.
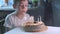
point(56, 12)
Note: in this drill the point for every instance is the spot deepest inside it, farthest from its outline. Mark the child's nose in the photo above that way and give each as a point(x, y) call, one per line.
point(23, 6)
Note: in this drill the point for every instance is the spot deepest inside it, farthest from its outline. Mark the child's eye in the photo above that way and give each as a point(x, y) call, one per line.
point(24, 5)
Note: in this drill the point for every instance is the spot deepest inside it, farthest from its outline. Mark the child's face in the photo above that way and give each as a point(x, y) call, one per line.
point(23, 6)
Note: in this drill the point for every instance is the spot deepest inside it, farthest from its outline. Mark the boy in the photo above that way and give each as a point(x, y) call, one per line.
point(19, 17)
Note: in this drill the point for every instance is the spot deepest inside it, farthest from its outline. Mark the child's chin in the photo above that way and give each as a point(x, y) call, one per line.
point(24, 11)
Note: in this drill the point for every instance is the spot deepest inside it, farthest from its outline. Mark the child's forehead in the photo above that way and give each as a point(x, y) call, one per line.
point(18, 2)
point(25, 2)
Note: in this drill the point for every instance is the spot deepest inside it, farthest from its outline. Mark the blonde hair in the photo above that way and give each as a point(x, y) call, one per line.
point(18, 1)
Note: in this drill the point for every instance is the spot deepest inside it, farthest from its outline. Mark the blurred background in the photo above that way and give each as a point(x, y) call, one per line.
point(49, 10)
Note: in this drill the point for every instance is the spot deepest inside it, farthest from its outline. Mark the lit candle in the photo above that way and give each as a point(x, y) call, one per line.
point(32, 18)
point(40, 18)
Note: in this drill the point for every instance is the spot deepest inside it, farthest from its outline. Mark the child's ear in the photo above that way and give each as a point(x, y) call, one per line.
point(14, 6)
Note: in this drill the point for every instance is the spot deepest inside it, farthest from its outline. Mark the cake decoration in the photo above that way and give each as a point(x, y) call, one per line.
point(35, 26)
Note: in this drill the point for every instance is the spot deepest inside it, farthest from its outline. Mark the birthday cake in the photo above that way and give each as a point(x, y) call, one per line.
point(35, 26)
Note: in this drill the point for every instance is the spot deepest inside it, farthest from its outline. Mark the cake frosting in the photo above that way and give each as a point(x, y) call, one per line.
point(34, 27)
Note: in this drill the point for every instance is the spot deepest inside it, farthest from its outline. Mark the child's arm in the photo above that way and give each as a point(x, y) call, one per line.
point(8, 25)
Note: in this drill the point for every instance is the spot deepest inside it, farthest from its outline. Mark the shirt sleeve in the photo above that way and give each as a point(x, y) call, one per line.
point(8, 22)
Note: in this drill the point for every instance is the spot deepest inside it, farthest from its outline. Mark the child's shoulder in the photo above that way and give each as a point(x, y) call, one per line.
point(10, 15)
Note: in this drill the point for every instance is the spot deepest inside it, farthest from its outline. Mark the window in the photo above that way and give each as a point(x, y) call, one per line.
point(1, 2)
point(33, 3)
point(5, 4)
point(9, 4)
